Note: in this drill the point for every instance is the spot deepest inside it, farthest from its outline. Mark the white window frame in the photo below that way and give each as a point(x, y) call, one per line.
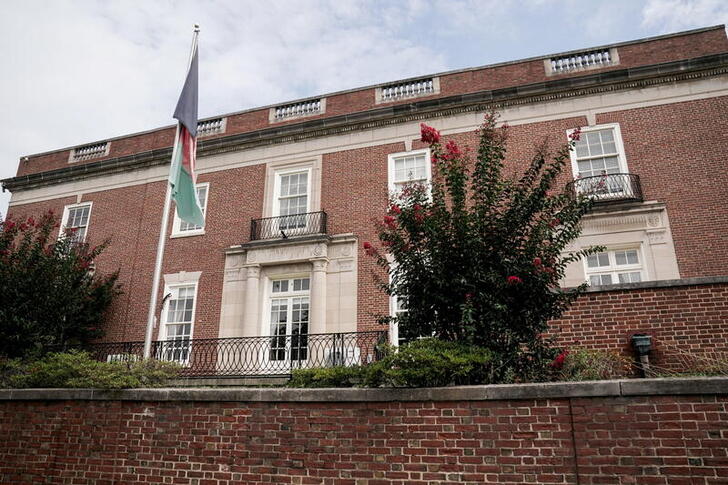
point(66, 212)
point(613, 269)
point(162, 337)
point(622, 158)
point(390, 166)
point(277, 187)
point(269, 296)
point(177, 225)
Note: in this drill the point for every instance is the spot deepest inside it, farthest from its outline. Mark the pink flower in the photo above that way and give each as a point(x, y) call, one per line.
point(429, 134)
point(537, 261)
point(575, 135)
point(514, 280)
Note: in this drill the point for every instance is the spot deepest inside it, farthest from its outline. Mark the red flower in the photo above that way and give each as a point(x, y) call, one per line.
point(367, 245)
point(453, 151)
point(429, 134)
point(468, 296)
point(387, 244)
point(549, 270)
point(31, 221)
point(537, 261)
point(390, 222)
point(395, 209)
point(417, 207)
point(575, 135)
point(23, 226)
point(555, 222)
point(514, 280)
point(419, 217)
point(8, 225)
point(558, 362)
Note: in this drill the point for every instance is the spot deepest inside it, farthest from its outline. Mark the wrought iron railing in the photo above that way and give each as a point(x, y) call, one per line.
point(283, 227)
point(609, 187)
point(253, 356)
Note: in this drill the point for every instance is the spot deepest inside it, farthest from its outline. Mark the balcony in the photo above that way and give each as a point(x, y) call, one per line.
point(607, 188)
point(274, 356)
point(284, 227)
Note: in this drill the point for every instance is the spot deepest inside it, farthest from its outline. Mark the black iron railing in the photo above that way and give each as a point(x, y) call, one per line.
point(253, 356)
point(616, 187)
point(283, 227)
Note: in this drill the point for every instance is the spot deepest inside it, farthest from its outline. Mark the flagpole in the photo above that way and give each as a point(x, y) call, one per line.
point(163, 232)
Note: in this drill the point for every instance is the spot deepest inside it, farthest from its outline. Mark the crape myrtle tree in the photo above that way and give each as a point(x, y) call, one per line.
point(476, 255)
point(50, 295)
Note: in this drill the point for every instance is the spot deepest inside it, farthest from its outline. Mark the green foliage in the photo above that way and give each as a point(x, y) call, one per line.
point(430, 363)
point(478, 256)
point(593, 365)
point(78, 370)
point(339, 376)
point(50, 297)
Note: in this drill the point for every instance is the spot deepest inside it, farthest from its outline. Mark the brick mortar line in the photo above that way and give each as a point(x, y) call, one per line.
point(614, 388)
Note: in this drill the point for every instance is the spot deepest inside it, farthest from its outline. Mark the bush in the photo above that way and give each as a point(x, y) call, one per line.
point(51, 298)
point(78, 370)
point(591, 365)
point(431, 363)
point(476, 256)
point(327, 377)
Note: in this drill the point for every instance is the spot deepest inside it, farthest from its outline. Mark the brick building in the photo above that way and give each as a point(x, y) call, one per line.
point(290, 192)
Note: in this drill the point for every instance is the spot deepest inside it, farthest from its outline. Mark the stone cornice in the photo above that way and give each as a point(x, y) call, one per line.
point(609, 81)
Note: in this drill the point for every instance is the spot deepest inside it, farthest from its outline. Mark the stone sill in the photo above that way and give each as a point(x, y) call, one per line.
point(551, 390)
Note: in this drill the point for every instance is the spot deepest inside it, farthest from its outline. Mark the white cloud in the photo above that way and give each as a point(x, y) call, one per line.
point(674, 15)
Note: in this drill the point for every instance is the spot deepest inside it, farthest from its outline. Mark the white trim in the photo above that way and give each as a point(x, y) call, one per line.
point(176, 224)
point(390, 166)
point(622, 158)
point(168, 288)
point(596, 104)
point(613, 268)
point(277, 187)
point(64, 219)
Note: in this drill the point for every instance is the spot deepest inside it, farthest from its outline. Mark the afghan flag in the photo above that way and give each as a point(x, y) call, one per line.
point(182, 176)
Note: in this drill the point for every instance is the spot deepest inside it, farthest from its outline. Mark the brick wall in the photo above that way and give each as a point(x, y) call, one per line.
point(685, 322)
point(685, 176)
point(649, 439)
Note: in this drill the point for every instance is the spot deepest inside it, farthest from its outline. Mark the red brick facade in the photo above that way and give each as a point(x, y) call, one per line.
point(667, 439)
point(686, 323)
point(678, 149)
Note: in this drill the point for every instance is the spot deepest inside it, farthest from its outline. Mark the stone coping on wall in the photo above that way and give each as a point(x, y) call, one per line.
point(551, 390)
point(703, 280)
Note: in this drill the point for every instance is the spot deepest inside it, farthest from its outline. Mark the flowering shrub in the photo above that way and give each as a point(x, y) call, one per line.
point(49, 294)
point(477, 256)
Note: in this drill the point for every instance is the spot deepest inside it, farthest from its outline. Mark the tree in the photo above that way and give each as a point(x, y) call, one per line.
point(477, 256)
point(50, 295)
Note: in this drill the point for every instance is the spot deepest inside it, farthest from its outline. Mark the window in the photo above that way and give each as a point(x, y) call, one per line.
point(597, 159)
point(289, 318)
point(178, 322)
point(397, 307)
point(292, 199)
point(76, 218)
point(614, 267)
point(182, 228)
point(408, 168)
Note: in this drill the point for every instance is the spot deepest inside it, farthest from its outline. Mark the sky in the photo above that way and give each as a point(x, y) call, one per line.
point(81, 71)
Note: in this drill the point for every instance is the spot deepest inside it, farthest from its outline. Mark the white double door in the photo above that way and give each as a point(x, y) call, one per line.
point(289, 322)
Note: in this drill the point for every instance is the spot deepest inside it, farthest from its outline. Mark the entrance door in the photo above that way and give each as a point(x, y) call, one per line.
point(289, 313)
